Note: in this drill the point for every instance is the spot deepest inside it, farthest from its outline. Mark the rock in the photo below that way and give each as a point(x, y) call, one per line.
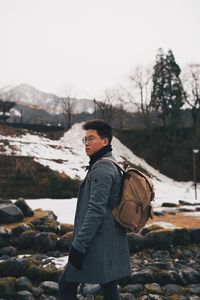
point(45, 241)
point(159, 239)
point(171, 289)
point(14, 267)
point(189, 275)
point(194, 289)
point(38, 273)
point(64, 228)
point(136, 242)
point(37, 222)
point(23, 283)
point(50, 287)
point(195, 235)
point(127, 296)
point(98, 297)
point(3, 243)
point(169, 204)
point(36, 291)
point(155, 297)
point(10, 251)
point(182, 202)
point(27, 239)
point(142, 277)
point(49, 298)
point(65, 241)
point(24, 295)
point(161, 254)
point(153, 288)
point(193, 297)
point(21, 228)
point(50, 216)
point(5, 232)
point(135, 289)
point(25, 208)
point(10, 213)
point(181, 236)
point(159, 213)
point(7, 287)
point(91, 289)
point(164, 277)
point(50, 226)
point(91, 297)
point(145, 297)
point(183, 209)
point(150, 228)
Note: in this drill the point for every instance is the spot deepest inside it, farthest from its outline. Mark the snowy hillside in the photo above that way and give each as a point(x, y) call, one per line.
point(67, 155)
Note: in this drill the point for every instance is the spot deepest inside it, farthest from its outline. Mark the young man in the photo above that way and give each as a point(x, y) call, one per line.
point(99, 251)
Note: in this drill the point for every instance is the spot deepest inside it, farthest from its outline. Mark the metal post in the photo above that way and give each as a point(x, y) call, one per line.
point(195, 151)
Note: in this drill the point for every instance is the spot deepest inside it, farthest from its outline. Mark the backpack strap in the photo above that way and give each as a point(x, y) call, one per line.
point(113, 161)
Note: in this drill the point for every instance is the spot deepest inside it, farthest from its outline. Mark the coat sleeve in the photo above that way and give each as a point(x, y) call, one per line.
point(102, 177)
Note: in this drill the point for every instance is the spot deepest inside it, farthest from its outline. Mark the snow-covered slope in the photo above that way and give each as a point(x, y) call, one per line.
point(67, 155)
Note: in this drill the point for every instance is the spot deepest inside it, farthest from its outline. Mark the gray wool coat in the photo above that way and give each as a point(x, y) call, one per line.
point(96, 234)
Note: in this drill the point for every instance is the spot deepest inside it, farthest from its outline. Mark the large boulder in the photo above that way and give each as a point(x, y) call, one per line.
point(46, 241)
point(65, 241)
point(38, 273)
point(195, 235)
point(181, 236)
point(14, 267)
point(159, 239)
point(23, 283)
point(50, 287)
point(24, 295)
point(7, 287)
point(136, 242)
point(27, 239)
point(10, 213)
point(27, 211)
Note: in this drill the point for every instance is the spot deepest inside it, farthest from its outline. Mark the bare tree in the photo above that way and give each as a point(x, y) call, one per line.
point(191, 81)
point(106, 107)
point(141, 96)
point(66, 105)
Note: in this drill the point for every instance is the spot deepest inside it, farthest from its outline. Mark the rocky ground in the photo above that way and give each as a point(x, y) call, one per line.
point(165, 261)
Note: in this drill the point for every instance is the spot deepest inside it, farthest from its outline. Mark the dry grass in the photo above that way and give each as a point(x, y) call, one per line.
point(38, 213)
point(179, 220)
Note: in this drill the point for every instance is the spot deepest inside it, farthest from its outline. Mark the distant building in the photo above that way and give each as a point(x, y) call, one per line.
point(5, 107)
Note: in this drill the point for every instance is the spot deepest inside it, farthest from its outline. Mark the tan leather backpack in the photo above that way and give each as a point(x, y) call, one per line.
point(134, 209)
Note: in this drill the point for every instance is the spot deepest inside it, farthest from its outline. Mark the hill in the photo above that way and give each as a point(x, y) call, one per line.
point(31, 154)
point(27, 95)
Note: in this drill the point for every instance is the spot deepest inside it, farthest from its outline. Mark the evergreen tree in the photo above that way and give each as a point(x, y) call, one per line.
point(168, 95)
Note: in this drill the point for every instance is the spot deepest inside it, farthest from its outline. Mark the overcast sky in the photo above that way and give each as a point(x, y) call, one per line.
point(90, 45)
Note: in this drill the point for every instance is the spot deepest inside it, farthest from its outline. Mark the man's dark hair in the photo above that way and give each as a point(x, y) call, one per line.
point(103, 129)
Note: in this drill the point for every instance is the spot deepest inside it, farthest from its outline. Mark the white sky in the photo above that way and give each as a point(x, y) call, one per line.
point(91, 45)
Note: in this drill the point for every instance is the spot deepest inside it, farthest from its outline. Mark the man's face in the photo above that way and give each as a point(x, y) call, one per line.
point(93, 142)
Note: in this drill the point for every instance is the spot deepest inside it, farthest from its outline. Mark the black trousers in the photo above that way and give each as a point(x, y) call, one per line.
point(68, 290)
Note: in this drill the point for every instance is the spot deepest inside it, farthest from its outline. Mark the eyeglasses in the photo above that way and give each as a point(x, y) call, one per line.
point(88, 140)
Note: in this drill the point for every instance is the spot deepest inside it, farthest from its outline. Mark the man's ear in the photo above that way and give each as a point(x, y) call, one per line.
point(106, 141)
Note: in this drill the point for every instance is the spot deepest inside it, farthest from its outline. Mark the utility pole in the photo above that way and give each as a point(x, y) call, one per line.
point(195, 152)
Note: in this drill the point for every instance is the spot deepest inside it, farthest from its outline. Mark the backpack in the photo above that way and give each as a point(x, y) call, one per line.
point(134, 209)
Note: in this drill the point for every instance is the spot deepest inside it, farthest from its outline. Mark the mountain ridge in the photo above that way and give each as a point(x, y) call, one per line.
point(26, 94)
